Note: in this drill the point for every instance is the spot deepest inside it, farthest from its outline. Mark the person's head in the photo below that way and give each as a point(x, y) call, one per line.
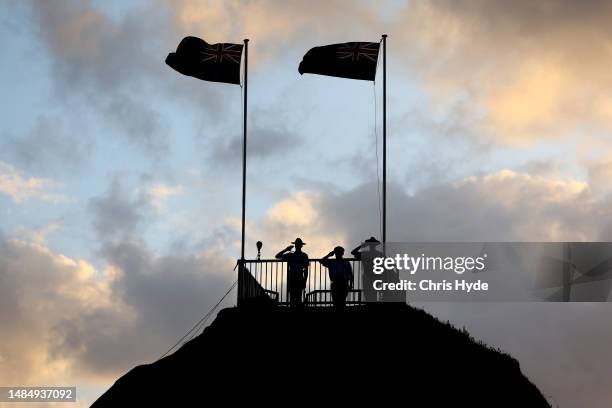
point(298, 243)
point(371, 243)
point(339, 252)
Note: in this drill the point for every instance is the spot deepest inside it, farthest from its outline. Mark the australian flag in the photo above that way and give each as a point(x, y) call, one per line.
point(354, 60)
point(209, 62)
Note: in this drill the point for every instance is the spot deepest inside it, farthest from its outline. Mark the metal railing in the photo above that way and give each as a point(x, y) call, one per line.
point(269, 277)
point(324, 298)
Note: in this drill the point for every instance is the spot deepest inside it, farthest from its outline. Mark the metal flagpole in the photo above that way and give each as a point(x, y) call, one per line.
point(384, 194)
point(241, 269)
point(244, 142)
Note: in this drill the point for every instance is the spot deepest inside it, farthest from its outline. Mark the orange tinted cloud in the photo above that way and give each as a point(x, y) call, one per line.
point(525, 70)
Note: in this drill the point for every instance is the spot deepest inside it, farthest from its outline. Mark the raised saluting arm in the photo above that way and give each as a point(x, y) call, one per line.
point(283, 252)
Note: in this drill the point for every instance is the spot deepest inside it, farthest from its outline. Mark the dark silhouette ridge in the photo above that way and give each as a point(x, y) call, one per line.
point(388, 354)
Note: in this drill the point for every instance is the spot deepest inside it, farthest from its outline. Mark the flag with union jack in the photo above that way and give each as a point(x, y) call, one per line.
point(209, 62)
point(354, 60)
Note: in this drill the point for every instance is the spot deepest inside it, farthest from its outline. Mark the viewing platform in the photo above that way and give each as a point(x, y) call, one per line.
point(267, 279)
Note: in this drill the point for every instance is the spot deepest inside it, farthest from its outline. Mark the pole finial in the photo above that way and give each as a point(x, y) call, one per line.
point(384, 35)
point(246, 40)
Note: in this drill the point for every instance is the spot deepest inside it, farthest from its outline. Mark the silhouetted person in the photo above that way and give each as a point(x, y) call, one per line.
point(340, 274)
point(366, 253)
point(297, 271)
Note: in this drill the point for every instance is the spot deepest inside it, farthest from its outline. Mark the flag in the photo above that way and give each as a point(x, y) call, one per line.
point(354, 60)
point(209, 62)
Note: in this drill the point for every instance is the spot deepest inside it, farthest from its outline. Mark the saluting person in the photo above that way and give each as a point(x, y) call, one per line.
point(297, 271)
point(340, 274)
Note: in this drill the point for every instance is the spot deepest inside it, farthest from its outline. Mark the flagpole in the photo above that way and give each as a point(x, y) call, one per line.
point(244, 142)
point(384, 194)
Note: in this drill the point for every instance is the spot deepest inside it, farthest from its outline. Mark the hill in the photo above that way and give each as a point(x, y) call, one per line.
point(380, 353)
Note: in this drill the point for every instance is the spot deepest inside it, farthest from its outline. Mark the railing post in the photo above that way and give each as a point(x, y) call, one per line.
point(240, 283)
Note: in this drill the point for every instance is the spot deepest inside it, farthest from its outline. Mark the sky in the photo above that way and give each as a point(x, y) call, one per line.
point(120, 179)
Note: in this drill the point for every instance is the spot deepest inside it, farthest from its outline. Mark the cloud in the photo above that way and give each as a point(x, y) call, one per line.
point(117, 213)
point(73, 322)
point(121, 211)
point(105, 66)
point(270, 141)
point(20, 189)
point(47, 147)
point(168, 294)
point(273, 25)
point(38, 235)
point(599, 175)
point(298, 210)
point(140, 124)
point(159, 193)
point(295, 215)
point(502, 206)
point(523, 71)
point(41, 288)
point(113, 67)
point(64, 321)
point(516, 73)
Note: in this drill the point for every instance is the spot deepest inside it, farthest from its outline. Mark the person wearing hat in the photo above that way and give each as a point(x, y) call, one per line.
point(297, 271)
point(340, 274)
point(366, 252)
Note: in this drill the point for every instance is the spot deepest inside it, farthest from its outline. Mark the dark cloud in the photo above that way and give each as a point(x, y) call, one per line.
point(115, 68)
point(158, 296)
point(117, 214)
point(93, 52)
point(166, 294)
point(49, 147)
point(504, 206)
point(101, 323)
point(97, 63)
point(140, 124)
point(264, 142)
